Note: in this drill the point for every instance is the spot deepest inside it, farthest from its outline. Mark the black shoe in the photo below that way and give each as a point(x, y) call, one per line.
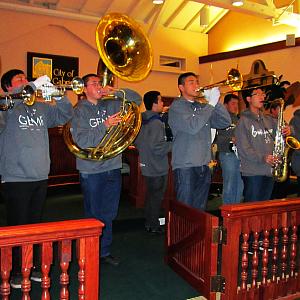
point(36, 275)
point(16, 281)
point(110, 260)
point(156, 231)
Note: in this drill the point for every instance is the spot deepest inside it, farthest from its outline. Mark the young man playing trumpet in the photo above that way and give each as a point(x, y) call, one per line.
point(24, 148)
point(191, 124)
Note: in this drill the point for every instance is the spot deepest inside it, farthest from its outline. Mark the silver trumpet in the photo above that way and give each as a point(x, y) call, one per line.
point(47, 92)
point(27, 95)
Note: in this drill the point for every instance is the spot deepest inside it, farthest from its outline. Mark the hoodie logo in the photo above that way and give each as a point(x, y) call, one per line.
point(31, 122)
point(265, 133)
point(94, 122)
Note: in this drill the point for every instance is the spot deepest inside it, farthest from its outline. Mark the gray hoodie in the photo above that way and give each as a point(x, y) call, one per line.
point(255, 136)
point(191, 124)
point(24, 141)
point(295, 123)
point(152, 145)
point(88, 129)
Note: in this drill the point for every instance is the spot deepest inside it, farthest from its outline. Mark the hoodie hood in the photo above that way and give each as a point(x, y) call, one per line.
point(146, 115)
point(297, 113)
point(251, 115)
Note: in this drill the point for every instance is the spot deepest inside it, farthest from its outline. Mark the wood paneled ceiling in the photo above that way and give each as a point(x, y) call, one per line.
point(195, 15)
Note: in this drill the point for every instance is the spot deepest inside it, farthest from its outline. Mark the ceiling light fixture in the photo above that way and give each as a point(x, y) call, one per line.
point(237, 2)
point(158, 1)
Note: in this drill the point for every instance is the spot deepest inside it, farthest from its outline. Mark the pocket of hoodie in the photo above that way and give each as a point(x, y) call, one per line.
point(32, 163)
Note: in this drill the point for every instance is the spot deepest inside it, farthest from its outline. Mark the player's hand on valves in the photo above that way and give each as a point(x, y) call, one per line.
point(106, 90)
point(40, 81)
point(286, 130)
point(113, 120)
point(212, 95)
point(271, 159)
point(49, 91)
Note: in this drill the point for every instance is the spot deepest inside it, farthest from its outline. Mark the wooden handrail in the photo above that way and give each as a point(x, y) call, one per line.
point(46, 232)
point(251, 208)
point(85, 232)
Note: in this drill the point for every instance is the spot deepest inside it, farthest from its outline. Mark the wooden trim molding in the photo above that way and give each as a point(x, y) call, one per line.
point(247, 51)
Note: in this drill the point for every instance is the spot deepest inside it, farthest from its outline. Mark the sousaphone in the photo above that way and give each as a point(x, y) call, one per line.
point(126, 51)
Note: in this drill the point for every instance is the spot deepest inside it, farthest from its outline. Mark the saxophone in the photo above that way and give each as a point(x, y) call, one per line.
point(282, 147)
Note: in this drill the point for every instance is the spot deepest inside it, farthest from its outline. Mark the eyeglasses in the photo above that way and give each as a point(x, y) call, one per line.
point(95, 84)
point(256, 94)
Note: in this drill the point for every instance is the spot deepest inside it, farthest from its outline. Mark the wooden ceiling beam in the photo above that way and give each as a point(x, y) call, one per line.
point(152, 12)
point(191, 21)
point(175, 13)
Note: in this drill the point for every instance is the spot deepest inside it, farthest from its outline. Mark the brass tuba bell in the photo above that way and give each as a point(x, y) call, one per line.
point(124, 47)
point(126, 52)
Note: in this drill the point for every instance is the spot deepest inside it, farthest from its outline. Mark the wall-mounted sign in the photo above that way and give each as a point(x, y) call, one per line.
point(61, 69)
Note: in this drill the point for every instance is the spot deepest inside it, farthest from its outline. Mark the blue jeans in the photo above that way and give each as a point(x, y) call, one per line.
point(232, 180)
point(192, 185)
point(257, 188)
point(101, 193)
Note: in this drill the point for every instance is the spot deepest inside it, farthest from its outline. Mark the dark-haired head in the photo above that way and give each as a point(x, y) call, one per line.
point(182, 77)
point(86, 78)
point(7, 78)
point(150, 98)
point(228, 97)
point(248, 92)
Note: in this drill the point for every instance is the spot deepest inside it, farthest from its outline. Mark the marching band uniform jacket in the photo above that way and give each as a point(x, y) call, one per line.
point(88, 129)
point(24, 141)
point(191, 124)
point(255, 136)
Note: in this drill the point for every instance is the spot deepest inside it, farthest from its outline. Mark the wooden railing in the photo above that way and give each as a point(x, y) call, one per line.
point(260, 259)
point(84, 232)
point(190, 251)
point(259, 249)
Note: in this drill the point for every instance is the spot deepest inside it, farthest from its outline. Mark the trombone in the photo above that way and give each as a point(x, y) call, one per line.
point(234, 80)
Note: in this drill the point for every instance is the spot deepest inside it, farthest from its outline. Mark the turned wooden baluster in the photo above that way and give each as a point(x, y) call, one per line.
point(244, 273)
point(265, 257)
point(275, 255)
point(293, 251)
point(27, 254)
point(46, 256)
point(80, 248)
point(65, 248)
point(285, 240)
point(6, 265)
point(254, 270)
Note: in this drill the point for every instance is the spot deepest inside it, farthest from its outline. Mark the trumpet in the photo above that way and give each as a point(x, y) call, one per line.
point(29, 96)
point(47, 92)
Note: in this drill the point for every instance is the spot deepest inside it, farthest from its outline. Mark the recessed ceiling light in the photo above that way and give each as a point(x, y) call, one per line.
point(158, 1)
point(237, 2)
